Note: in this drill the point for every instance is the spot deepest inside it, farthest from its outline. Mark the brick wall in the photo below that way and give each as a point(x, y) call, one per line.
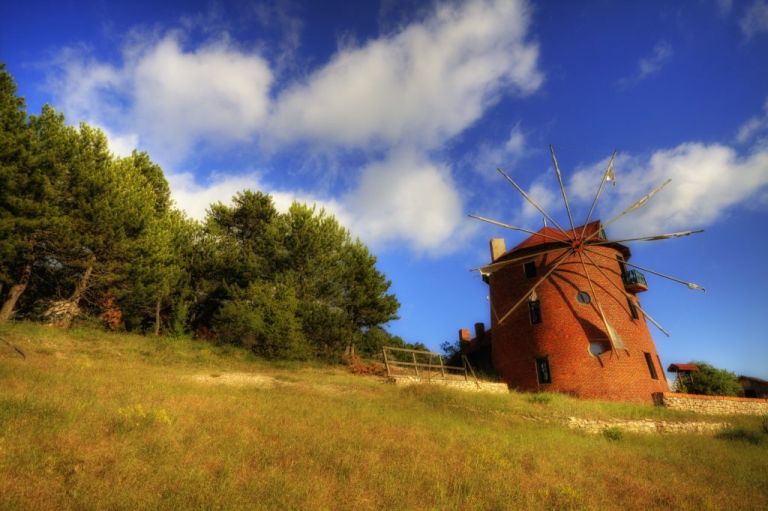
point(714, 405)
point(566, 329)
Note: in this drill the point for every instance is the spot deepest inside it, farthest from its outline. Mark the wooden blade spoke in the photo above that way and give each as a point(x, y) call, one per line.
point(689, 285)
point(558, 261)
point(562, 187)
point(655, 237)
point(490, 268)
point(629, 296)
point(507, 226)
point(532, 202)
point(613, 336)
point(599, 191)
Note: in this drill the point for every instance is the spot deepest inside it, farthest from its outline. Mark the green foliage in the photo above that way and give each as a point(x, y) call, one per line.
point(741, 435)
point(710, 381)
point(540, 398)
point(262, 317)
point(83, 231)
point(613, 433)
point(339, 293)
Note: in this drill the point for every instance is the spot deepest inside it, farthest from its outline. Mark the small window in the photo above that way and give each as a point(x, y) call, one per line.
point(534, 307)
point(599, 347)
point(602, 234)
point(530, 269)
point(583, 298)
point(542, 370)
point(632, 308)
point(622, 266)
point(651, 368)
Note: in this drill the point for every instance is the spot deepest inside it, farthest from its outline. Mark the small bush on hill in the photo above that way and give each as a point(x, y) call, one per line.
point(710, 381)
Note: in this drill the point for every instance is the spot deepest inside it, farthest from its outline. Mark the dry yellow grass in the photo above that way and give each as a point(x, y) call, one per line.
point(104, 421)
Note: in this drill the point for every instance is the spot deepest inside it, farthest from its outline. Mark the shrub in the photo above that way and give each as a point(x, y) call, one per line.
point(263, 318)
point(710, 381)
point(540, 398)
point(613, 433)
point(741, 434)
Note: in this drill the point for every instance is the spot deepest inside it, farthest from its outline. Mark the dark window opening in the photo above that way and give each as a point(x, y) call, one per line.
point(534, 308)
point(583, 297)
point(651, 368)
point(602, 234)
point(632, 308)
point(622, 266)
point(662, 367)
point(530, 269)
point(542, 370)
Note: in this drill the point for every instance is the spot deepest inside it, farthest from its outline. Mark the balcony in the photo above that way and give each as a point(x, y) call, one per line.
point(634, 281)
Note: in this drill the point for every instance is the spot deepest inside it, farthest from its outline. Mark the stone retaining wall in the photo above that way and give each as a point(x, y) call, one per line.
point(468, 385)
point(645, 426)
point(714, 405)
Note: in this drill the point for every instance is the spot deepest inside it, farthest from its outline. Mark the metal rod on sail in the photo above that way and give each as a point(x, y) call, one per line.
point(488, 268)
point(562, 187)
point(533, 203)
point(639, 203)
point(599, 191)
point(655, 237)
point(558, 262)
point(608, 329)
point(502, 224)
point(629, 296)
point(689, 285)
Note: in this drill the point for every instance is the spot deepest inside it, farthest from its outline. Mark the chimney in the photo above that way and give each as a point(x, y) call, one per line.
point(479, 331)
point(464, 335)
point(498, 247)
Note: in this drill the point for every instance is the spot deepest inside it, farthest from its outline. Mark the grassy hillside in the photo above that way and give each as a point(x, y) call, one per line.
point(104, 421)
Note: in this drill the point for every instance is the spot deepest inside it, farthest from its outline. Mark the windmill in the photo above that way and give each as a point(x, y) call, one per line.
point(578, 259)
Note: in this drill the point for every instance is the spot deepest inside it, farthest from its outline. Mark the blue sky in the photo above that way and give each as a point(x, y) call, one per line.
point(393, 115)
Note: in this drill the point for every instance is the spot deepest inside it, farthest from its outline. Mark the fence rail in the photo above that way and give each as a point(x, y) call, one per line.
point(428, 368)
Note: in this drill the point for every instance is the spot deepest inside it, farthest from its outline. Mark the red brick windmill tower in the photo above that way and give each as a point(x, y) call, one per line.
point(564, 309)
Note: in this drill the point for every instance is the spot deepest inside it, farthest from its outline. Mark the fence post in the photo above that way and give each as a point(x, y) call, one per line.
point(415, 365)
point(386, 361)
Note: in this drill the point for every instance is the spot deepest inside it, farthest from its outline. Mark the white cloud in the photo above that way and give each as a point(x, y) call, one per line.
point(649, 66)
point(407, 198)
point(173, 98)
point(420, 86)
point(754, 126)
point(195, 198)
point(755, 19)
point(488, 157)
point(120, 144)
point(401, 94)
point(707, 181)
point(404, 198)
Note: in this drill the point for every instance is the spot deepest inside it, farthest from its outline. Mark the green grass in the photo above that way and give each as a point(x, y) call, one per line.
point(92, 420)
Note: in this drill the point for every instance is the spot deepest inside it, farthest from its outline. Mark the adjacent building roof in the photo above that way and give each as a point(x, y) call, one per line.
point(682, 368)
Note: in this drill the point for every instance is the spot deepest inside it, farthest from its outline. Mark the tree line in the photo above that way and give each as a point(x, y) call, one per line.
point(89, 236)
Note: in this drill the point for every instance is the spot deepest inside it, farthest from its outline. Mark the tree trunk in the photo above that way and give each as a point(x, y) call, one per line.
point(14, 293)
point(64, 320)
point(157, 317)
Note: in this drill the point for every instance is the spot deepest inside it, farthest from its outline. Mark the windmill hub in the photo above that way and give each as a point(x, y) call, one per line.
point(577, 245)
